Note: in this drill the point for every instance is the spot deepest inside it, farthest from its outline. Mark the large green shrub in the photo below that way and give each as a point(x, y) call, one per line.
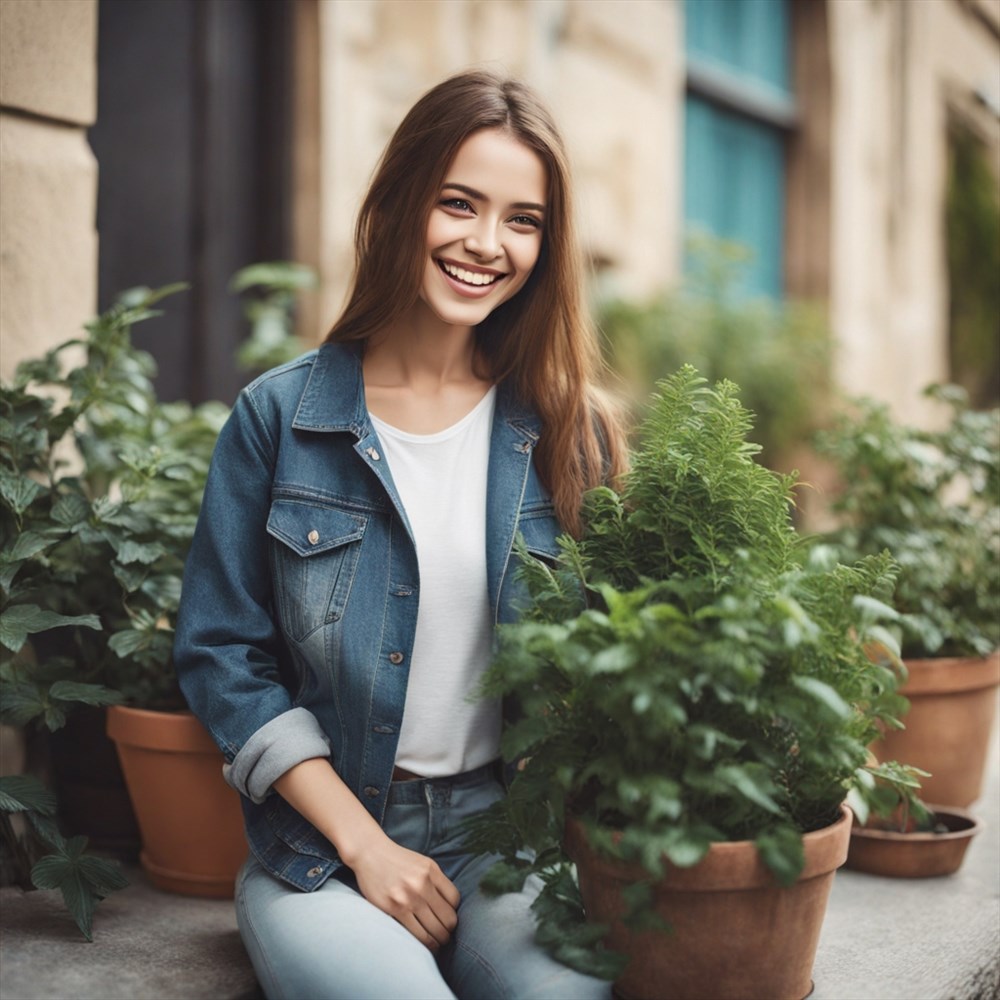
point(684, 673)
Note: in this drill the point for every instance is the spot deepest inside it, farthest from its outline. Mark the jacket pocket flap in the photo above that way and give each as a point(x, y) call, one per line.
point(309, 529)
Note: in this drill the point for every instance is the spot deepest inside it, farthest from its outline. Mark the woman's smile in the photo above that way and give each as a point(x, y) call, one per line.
point(485, 233)
point(467, 279)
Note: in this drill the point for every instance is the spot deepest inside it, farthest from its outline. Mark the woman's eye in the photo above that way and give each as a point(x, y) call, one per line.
point(458, 204)
point(527, 220)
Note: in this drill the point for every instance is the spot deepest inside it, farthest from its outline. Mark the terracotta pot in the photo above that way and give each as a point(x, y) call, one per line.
point(190, 819)
point(734, 932)
point(914, 855)
point(952, 709)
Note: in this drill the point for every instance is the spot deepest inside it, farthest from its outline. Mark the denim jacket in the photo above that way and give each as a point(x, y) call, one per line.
point(299, 603)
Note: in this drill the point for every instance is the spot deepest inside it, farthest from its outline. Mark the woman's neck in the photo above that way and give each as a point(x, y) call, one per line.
point(420, 374)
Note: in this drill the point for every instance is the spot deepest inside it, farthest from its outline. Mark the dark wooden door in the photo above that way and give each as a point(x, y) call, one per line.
point(192, 141)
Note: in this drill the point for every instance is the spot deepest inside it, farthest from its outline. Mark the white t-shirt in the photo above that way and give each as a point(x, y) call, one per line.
point(441, 479)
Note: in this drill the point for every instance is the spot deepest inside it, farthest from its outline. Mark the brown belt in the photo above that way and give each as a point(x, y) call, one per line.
point(401, 774)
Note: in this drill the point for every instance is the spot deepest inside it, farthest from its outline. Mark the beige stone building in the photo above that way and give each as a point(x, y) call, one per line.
point(862, 124)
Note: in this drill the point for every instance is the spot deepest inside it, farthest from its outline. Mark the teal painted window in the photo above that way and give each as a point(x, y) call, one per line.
point(738, 110)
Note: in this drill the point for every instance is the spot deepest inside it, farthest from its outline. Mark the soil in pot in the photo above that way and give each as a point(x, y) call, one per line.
point(914, 854)
point(734, 932)
point(190, 819)
point(952, 711)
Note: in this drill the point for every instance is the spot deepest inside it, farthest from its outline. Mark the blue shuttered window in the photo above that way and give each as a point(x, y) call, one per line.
point(738, 110)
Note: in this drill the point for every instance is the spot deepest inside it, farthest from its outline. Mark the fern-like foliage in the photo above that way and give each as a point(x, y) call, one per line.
point(684, 674)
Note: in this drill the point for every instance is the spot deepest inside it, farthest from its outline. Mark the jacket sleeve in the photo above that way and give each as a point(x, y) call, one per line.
point(227, 645)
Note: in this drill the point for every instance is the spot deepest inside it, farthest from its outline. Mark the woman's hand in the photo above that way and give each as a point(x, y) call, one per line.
point(409, 887)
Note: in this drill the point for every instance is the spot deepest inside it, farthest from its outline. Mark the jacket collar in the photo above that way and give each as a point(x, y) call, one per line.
point(334, 397)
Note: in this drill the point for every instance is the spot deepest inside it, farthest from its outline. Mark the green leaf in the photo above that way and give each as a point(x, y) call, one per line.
point(104, 877)
point(613, 659)
point(684, 849)
point(70, 509)
point(283, 275)
point(755, 787)
point(781, 850)
point(83, 881)
point(128, 641)
point(504, 876)
point(20, 702)
point(87, 694)
point(28, 544)
point(19, 491)
point(824, 694)
point(19, 792)
point(21, 620)
point(143, 552)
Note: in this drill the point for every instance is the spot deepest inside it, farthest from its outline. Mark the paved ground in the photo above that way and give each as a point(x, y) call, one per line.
point(932, 939)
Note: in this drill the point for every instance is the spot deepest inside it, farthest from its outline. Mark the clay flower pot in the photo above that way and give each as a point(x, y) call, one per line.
point(190, 819)
point(914, 854)
point(948, 726)
point(735, 933)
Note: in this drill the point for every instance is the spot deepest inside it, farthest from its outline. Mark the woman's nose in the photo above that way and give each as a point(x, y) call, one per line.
point(484, 241)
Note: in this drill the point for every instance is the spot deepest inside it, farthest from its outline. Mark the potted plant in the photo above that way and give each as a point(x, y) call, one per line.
point(695, 705)
point(897, 835)
point(93, 543)
point(932, 498)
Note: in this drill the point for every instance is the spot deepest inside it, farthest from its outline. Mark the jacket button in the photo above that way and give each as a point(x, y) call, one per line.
point(313, 872)
point(371, 791)
point(313, 537)
point(396, 657)
point(372, 454)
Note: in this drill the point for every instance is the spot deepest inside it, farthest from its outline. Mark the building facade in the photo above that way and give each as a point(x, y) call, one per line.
point(815, 131)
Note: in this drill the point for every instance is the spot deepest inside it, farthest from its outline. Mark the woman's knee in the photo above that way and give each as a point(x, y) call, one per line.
point(330, 943)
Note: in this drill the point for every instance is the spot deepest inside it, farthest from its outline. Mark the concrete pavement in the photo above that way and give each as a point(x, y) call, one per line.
point(927, 939)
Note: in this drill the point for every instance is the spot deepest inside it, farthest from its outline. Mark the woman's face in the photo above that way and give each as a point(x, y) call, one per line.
point(485, 231)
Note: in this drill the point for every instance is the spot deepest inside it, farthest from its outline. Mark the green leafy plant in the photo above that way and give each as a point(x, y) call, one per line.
point(891, 800)
point(932, 498)
point(685, 673)
point(100, 494)
point(273, 287)
point(99, 491)
point(778, 353)
point(83, 880)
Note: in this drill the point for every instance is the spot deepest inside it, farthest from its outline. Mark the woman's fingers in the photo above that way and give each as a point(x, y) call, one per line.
point(411, 888)
point(432, 924)
point(446, 888)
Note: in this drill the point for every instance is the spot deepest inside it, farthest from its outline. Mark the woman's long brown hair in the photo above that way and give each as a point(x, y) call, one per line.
point(542, 339)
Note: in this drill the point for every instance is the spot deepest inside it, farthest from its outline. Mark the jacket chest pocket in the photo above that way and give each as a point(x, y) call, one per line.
point(314, 557)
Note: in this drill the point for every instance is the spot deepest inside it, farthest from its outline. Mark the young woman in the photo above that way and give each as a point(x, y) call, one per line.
point(353, 557)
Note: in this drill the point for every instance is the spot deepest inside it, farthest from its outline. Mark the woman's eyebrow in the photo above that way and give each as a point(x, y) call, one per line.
point(479, 196)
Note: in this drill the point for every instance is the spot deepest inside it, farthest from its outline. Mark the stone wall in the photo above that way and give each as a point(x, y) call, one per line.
point(48, 241)
point(867, 170)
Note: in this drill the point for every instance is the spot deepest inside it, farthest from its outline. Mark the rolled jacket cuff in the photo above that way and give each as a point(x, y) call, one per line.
point(287, 740)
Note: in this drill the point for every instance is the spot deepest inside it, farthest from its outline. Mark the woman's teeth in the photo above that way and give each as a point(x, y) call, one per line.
point(469, 277)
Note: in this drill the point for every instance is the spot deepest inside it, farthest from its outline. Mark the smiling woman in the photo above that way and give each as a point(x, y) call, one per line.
point(387, 475)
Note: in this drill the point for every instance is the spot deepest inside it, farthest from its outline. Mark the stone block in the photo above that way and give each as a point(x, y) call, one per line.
point(48, 58)
point(48, 260)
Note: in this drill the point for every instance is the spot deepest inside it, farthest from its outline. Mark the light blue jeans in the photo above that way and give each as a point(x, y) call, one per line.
point(333, 943)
